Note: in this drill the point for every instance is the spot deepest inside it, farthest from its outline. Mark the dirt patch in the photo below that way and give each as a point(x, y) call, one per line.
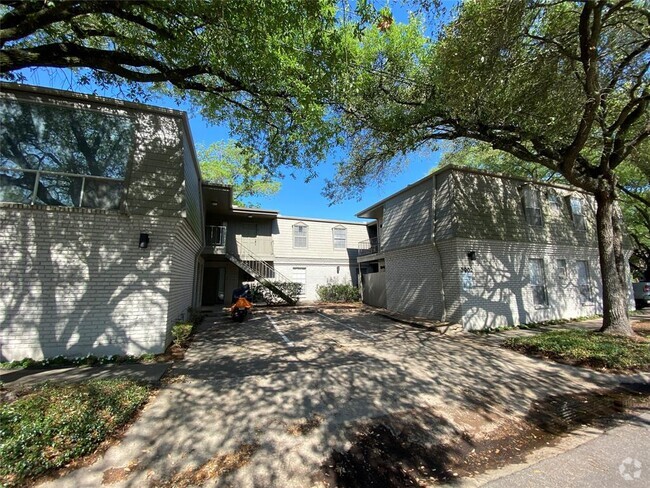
point(217, 466)
point(419, 448)
point(305, 426)
point(115, 475)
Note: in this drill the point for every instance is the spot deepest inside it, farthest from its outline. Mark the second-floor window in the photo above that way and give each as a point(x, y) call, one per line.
point(300, 236)
point(577, 213)
point(340, 237)
point(538, 281)
point(532, 206)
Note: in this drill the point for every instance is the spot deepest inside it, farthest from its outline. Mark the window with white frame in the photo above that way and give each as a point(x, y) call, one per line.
point(538, 281)
point(584, 281)
point(300, 236)
point(532, 206)
point(340, 237)
point(63, 156)
point(577, 213)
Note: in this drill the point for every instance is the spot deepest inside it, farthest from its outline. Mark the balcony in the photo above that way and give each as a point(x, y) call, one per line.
point(370, 246)
point(215, 239)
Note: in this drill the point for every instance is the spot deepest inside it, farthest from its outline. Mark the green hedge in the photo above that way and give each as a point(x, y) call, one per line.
point(338, 292)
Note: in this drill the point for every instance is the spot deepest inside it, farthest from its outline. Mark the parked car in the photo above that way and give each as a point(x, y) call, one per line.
point(641, 294)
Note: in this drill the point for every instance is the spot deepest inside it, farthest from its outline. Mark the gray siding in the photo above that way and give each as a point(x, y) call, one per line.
point(490, 207)
point(407, 218)
point(186, 246)
point(193, 201)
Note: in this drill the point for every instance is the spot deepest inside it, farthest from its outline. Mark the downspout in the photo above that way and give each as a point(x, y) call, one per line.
point(434, 226)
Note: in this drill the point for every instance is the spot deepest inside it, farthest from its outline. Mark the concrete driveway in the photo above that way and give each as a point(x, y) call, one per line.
point(264, 403)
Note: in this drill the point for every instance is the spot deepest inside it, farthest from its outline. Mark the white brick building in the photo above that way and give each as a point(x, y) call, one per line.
point(483, 250)
point(84, 183)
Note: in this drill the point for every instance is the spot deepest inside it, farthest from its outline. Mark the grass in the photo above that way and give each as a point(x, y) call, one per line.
point(54, 424)
point(533, 325)
point(586, 348)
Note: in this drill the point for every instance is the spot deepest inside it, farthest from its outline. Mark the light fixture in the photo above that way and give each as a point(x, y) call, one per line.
point(471, 255)
point(144, 241)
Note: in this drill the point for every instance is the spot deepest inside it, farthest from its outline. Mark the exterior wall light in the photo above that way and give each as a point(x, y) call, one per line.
point(471, 255)
point(144, 241)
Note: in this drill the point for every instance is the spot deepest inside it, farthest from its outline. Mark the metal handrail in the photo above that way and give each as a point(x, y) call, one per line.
point(258, 266)
point(369, 246)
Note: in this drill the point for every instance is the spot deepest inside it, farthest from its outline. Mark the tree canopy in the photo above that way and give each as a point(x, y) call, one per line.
point(263, 66)
point(560, 84)
point(227, 163)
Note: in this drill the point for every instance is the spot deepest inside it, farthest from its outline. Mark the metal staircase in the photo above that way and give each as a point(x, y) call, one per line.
point(260, 270)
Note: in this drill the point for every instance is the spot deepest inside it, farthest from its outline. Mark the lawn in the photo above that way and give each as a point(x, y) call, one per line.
point(52, 425)
point(586, 348)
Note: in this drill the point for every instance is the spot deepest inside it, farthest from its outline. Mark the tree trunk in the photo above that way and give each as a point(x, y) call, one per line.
point(612, 266)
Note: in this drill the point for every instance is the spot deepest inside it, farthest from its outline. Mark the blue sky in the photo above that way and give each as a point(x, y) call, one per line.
point(296, 197)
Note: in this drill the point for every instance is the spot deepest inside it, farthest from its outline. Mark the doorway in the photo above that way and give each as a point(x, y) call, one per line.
point(214, 283)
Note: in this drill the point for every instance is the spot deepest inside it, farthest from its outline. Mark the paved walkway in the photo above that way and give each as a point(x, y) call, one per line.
point(253, 388)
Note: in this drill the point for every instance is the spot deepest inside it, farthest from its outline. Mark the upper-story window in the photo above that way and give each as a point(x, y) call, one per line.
point(62, 156)
point(577, 212)
point(300, 235)
point(532, 206)
point(340, 237)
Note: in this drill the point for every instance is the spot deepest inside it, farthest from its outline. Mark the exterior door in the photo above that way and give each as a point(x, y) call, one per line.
point(214, 283)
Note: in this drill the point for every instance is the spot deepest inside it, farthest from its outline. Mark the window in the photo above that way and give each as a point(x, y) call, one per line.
point(300, 276)
point(532, 206)
point(575, 204)
point(538, 281)
point(584, 286)
point(300, 236)
point(554, 201)
point(61, 156)
point(339, 235)
point(561, 270)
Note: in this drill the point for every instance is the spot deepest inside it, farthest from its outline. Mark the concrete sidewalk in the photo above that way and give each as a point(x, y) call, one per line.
point(617, 457)
point(19, 378)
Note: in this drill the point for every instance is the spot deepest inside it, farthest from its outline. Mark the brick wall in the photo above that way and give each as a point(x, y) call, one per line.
point(74, 281)
point(502, 294)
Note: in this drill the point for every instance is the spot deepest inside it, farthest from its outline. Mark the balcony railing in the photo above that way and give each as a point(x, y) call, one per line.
point(370, 246)
point(215, 235)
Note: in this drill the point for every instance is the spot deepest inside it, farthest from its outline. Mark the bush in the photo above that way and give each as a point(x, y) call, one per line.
point(338, 292)
point(55, 424)
point(181, 332)
point(260, 293)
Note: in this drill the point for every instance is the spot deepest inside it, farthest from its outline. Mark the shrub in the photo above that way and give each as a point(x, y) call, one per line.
point(261, 293)
point(55, 424)
point(338, 292)
point(181, 332)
